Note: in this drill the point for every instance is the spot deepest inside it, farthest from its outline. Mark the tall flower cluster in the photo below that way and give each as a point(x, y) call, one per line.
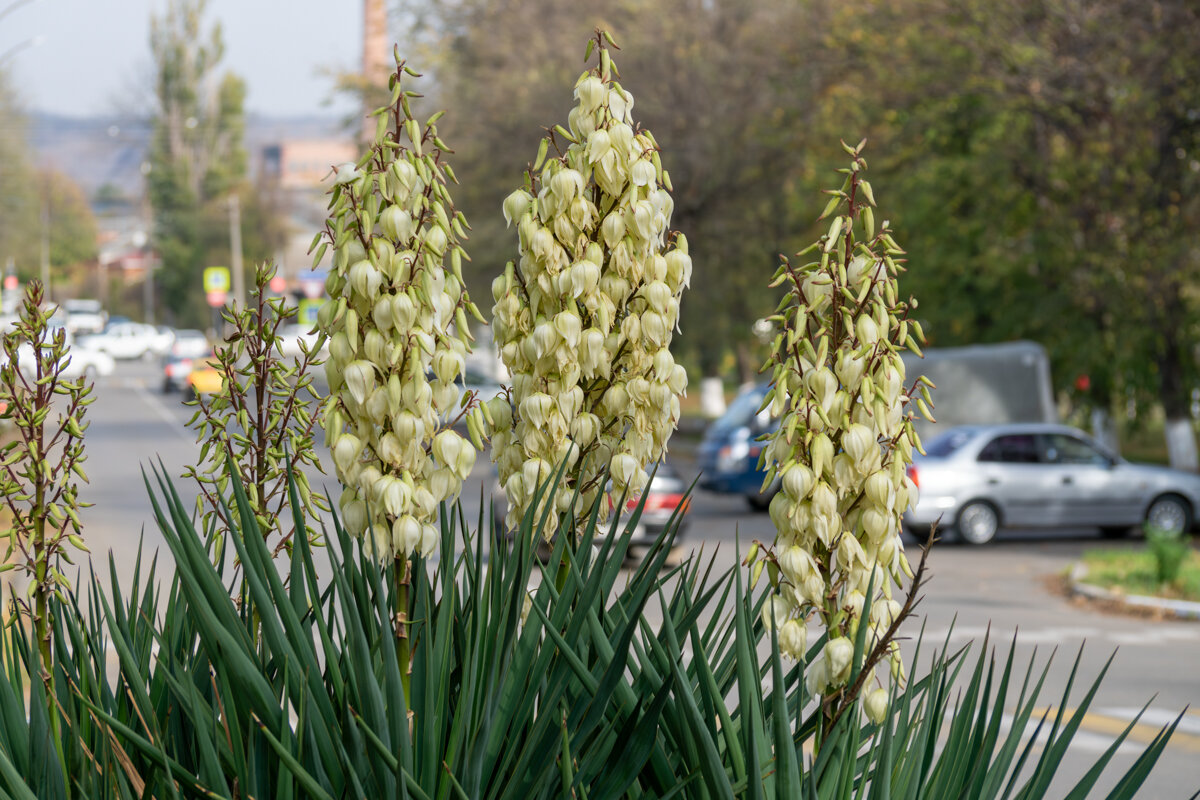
point(584, 318)
point(844, 442)
point(398, 335)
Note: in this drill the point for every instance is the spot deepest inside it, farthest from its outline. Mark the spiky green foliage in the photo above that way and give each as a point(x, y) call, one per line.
point(581, 693)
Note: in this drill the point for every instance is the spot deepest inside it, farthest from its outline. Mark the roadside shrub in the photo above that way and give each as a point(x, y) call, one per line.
point(1169, 549)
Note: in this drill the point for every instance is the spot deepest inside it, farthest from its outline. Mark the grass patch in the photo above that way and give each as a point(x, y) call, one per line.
point(1132, 572)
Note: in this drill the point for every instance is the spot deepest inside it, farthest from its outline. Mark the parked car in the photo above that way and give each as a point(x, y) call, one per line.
point(127, 340)
point(666, 496)
point(79, 361)
point(190, 343)
point(980, 479)
point(176, 370)
point(88, 363)
point(205, 378)
point(84, 316)
point(729, 452)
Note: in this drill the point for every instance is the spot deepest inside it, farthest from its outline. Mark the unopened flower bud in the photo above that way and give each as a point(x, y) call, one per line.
point(821, 451)
point(875, 705)
point(797, 481)
point(346, 451)
point(354, 516)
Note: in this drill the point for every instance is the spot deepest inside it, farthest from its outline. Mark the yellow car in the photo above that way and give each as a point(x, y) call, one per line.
point(205, 378)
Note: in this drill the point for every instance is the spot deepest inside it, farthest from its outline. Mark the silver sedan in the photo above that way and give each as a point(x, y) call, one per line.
point(979, 479)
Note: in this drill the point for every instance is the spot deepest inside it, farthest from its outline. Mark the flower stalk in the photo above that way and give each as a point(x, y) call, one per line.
point(40, 469)
point(398, 337)
point(585, 316)
point(264, 415)
point(842, 450)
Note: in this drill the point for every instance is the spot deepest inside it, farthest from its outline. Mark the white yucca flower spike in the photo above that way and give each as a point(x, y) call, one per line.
point(843, 444)
point(584, 317)
point(397, 321)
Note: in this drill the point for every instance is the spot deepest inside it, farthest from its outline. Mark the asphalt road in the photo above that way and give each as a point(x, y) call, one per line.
point(1002, 590)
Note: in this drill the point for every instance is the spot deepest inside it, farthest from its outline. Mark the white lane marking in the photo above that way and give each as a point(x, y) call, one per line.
point(1156, 718)
point(172, 421)
point(1083, 740)
point(1058, 635)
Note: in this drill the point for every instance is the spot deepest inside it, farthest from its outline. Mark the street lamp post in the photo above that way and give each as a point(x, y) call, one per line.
point(235, 251)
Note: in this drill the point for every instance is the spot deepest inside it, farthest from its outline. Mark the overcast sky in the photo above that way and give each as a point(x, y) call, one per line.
point(94, 56)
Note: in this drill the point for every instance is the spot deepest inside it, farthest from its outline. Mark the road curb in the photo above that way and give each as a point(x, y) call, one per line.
point(1179, 609)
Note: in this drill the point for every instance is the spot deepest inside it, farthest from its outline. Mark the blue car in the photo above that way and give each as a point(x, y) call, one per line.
point(729, 453)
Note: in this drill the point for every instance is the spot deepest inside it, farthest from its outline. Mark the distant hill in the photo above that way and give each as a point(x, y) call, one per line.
point(95, 151)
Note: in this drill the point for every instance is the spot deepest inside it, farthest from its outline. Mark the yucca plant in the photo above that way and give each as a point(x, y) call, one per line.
point(579, 679)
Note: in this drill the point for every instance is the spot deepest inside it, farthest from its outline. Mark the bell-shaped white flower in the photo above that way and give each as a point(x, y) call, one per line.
point(875, 705)
point(793, 639)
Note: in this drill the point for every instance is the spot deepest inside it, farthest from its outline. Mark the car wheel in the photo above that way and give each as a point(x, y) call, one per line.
point(1170, 513)
point(977, 522)
point(189, 394)
point(1114, 531)
point(762, 500)
point(90, 373)
point(758, 502)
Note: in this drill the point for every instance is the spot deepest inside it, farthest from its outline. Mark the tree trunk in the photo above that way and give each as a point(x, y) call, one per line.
point(1104, 431)
point(747, 367)
point(1181, 439)
point(712, 397)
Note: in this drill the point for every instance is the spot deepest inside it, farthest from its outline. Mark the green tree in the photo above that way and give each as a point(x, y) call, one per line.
point(72, 226)
point(197, 159)
point(18, 187)
point(1047, 154)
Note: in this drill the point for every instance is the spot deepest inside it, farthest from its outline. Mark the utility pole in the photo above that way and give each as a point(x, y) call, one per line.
point(46, 240)
point(235, 249)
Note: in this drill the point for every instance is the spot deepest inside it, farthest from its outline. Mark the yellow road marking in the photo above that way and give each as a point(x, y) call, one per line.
point(1142, 732)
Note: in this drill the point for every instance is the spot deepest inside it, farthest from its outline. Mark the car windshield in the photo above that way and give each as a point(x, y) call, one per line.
point(741, 411)
point(948, 443)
